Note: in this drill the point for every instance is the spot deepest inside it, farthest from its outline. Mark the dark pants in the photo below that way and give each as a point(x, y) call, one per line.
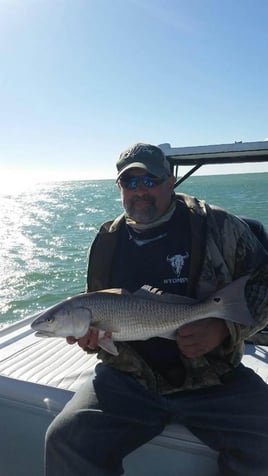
point(112, 414)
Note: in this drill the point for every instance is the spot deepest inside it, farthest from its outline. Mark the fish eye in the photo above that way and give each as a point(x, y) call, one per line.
point(50, 320)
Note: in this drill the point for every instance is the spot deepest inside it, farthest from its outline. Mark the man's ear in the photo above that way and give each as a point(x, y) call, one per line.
point(171, 181)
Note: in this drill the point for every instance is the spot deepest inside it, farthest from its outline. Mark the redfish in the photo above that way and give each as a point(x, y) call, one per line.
point(140, 315)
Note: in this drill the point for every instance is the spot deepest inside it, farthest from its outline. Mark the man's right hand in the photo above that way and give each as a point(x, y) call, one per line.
point(88, 341)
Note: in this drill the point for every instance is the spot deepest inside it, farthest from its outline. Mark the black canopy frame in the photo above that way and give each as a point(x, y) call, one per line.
point(197, 156)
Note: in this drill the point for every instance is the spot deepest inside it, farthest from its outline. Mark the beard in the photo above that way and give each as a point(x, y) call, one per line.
point(144, 213)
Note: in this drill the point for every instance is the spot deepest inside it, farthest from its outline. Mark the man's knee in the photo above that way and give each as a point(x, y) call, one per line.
point(55, 432)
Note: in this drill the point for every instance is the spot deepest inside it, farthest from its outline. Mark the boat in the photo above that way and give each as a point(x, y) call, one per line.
point(38, 376)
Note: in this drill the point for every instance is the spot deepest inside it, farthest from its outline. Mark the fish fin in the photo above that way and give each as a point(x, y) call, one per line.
point(151, 289)
point(155, 294)
point(114, 291)
point(107, 344)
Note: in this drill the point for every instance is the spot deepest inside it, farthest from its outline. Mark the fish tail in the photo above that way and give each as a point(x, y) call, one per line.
point(229, 303)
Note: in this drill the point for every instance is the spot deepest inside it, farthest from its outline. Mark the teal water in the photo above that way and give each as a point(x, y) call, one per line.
point(46, 231)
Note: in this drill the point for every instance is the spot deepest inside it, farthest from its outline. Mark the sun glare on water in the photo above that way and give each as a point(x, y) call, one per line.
point(15, 182)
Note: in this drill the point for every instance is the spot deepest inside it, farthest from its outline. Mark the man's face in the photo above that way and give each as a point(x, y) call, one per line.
point(143, 204)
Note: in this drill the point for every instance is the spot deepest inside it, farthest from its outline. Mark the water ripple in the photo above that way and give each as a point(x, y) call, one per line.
point(45, 233)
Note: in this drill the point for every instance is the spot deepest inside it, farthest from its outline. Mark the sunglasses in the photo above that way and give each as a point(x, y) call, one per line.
point(131, 183)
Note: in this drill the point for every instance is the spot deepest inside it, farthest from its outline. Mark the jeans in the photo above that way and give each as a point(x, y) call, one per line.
point(112, 414)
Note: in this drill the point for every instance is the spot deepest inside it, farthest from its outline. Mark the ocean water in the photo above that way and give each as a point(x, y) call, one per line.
point(46, 231)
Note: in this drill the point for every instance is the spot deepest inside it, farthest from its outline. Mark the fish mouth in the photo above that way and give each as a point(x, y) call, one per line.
point(44, 334)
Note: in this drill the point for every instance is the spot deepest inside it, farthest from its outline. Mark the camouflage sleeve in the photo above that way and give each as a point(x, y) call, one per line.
point(251, 257)
point(234, 251)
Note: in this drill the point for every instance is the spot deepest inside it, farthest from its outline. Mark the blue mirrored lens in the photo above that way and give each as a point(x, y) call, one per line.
point(147, 182)
point(131, 183)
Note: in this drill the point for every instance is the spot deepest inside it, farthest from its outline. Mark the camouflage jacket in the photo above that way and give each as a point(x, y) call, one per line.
point(222, 249)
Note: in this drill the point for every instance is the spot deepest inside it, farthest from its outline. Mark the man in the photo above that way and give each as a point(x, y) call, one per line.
point(179, 245)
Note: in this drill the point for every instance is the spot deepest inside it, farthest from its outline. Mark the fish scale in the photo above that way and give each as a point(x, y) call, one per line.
point(141, 318)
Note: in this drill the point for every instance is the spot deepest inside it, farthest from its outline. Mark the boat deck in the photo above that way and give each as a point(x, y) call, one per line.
point(52, 362)
point(39, 375)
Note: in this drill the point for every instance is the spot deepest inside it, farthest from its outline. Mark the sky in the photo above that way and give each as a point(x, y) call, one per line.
point(81, 80)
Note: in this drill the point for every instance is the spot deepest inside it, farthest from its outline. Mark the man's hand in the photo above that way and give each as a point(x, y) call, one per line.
point(200, 337)
point(90, 340)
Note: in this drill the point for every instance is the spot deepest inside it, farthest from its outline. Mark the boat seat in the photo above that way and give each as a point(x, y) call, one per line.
point(64, 366)
point(37, 378)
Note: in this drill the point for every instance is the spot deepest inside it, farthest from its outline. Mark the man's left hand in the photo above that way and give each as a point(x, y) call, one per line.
point(200, 337)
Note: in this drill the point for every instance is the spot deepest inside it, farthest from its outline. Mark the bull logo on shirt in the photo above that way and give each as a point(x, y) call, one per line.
point(177, 262)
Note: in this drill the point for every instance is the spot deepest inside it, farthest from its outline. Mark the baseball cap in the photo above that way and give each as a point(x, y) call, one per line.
point(144, 156)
